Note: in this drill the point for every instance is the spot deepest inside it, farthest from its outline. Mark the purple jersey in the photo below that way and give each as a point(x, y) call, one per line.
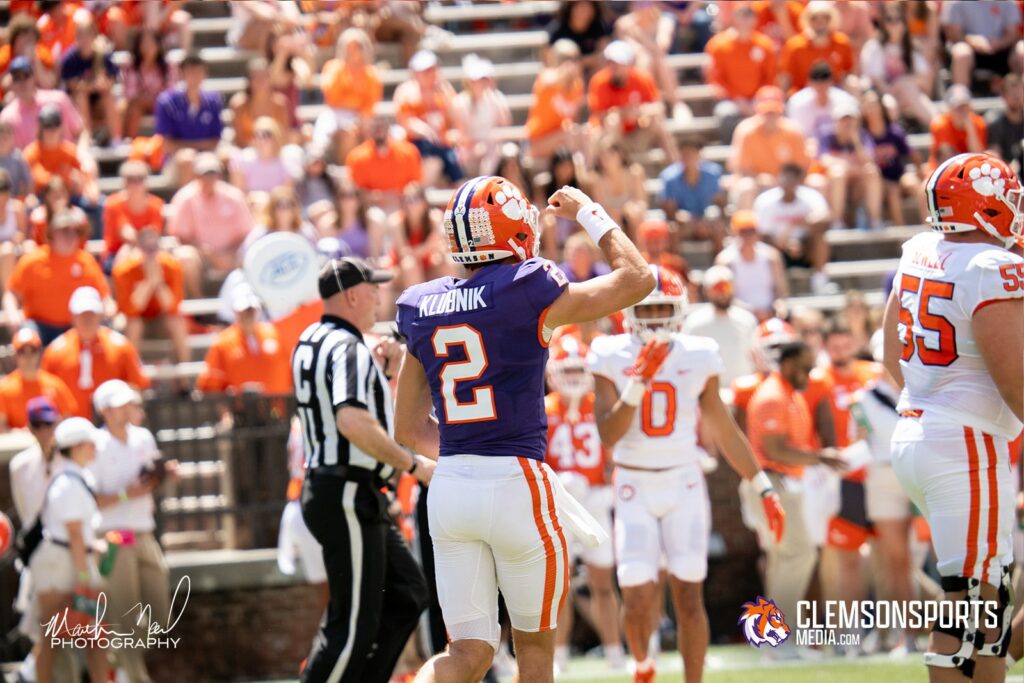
point(480, 343)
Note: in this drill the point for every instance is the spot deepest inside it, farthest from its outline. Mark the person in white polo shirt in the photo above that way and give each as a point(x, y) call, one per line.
point(127, 470)
point(64, 564)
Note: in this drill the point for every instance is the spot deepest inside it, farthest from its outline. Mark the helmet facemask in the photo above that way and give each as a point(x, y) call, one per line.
point(646, 322)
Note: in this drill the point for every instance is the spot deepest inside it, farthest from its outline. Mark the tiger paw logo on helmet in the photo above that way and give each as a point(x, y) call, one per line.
point(986, 180)
point(512, 202)
point(763, 622)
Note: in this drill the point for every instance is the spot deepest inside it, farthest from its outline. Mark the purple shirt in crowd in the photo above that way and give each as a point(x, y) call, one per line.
point(492, 318)
point(177, 120)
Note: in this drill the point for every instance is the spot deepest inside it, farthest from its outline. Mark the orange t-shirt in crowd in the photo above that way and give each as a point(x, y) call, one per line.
point(16, 391)
point(46, 162)
point(743, 389)
point(944, 133)
point(59, 37)
point(290, 327)
point(553, 106)
point(392, 171)
point(768, 20)
point(777, 408)
point(433, 108)
point(639, 88)
point(756, 150)
point(232, 362)
point(43, 54)
point(349, 89)
point(23, 7)
point(44, 283)
point(740, 67)
point(117, 214)
point(131, 271)
point(574, 445)
point(837, 388)
point(108, 356)
point(799, 54)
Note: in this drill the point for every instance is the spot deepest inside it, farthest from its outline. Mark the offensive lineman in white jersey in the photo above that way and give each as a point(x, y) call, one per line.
point(954, 340)
point(650, 384)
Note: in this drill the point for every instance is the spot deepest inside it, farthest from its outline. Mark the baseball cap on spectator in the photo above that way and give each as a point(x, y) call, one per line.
point(207, 163)
point(69, 219)
point(332, 248)
point(114, 393)
point(42, 411)
point(743, 8)
point(477, 68)
point(768, 100)
point(49, 117)
point(423, 60)
point(26, 336)
point(85, 300)
point(340, 274)
point(717, 277)
point(565, 49)
point(133, 168)
point(20, 65)
point(620, 52)
point(74, 431)
point(652, 228)
point(957, 96)
point(820, 71)
point(846, 109)
point(743, 219)
point(244, 299)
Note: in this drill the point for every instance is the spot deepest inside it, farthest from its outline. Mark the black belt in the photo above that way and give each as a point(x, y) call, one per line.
point(65, 544)
point(357, 474)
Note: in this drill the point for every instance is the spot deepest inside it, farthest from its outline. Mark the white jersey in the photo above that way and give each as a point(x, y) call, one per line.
point(664, 431)
point(941, 285)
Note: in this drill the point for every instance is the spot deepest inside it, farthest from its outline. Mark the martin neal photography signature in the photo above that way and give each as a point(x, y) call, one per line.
point(63, 629)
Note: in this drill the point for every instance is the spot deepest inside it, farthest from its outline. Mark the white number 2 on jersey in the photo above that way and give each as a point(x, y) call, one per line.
point(563, 445)
point(481, 408)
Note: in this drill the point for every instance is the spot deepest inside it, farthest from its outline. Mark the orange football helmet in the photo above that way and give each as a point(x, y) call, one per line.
point(488, 219)
point(567, 367)
point(668, 289)
point(768, 337)
point(976, 191)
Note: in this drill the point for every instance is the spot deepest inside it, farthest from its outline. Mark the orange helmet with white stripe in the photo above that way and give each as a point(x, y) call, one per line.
point(976, 191)
point(768, 337)
point(668, 290)
point(488, 219)
point(567, 367)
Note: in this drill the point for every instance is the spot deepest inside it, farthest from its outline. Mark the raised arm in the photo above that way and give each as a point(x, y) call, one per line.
point(630, 280)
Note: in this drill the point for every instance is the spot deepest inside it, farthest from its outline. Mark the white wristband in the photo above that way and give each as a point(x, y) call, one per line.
point(633, 394)
point(762, 483)
point(596, 221)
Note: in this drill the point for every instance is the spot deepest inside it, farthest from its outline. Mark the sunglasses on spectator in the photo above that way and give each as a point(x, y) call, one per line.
point(27, 350)
point(42, 425)
point(348, 195)
point(263, 135)
point(50, 126)
point(284, 205)
point(893, 19)
point(21, 76)
point(135, 178)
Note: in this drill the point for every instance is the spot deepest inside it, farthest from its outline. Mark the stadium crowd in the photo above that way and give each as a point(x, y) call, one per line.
point(816, 101)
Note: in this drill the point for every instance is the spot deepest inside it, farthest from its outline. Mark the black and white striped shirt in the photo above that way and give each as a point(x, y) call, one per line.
point(332, 367)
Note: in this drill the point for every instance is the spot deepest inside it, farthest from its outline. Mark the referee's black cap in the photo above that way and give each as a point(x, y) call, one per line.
point(342, 273)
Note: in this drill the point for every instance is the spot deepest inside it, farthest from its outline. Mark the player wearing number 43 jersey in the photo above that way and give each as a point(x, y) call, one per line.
point(477, 350)
point(954, 340)
point(650, 384)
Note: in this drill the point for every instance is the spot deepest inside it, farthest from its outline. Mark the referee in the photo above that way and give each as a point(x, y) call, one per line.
point(377, 590)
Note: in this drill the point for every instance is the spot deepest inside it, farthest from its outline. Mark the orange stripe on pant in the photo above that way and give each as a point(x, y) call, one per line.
point(550, 569)
point(975, 506)
point(993, 505)
point(561, 536)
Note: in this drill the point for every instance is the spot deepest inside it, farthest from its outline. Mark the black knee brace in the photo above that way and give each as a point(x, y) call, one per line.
point(969, 636)
point(999, 646)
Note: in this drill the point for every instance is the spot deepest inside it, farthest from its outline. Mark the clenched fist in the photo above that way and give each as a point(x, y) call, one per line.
point(567, 202)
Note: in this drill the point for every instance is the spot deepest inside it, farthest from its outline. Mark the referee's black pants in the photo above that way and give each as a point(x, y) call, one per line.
point(377, 589)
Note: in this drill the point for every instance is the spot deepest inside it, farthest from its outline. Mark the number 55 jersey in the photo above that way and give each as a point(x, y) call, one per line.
point(940, 286)
point(483, 345)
